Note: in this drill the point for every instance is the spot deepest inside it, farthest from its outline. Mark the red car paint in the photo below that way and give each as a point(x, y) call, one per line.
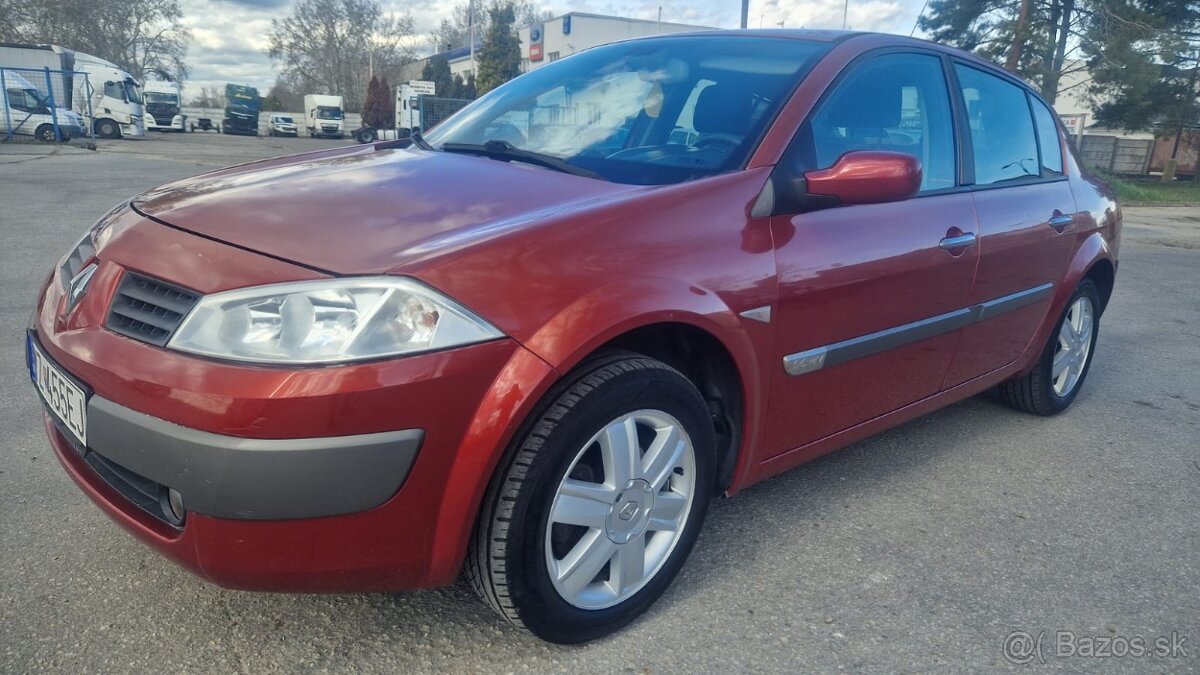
point(561, 270)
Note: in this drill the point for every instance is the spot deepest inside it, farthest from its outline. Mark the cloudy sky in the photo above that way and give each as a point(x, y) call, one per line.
point(230, 36)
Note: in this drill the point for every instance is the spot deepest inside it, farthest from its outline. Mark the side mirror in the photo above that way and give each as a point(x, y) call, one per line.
point(867, 177)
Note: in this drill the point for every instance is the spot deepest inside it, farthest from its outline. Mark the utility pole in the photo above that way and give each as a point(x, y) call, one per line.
point(745, 13)
point(471, 30)
point(845, 14)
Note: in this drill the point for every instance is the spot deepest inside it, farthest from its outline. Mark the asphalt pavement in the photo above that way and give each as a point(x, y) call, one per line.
point(925, 548)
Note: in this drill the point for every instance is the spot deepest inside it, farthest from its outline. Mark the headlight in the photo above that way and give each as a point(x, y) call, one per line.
point(328, 321)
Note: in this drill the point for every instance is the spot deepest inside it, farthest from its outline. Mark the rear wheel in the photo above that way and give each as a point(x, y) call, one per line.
point(1055, 380)
point(44, 133)
point(596, 513)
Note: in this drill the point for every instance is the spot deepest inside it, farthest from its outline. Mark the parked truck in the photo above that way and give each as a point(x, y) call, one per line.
point(242, 105)
point(164, 102)
point(417, 109)
point(323, 116)
point(108, 99)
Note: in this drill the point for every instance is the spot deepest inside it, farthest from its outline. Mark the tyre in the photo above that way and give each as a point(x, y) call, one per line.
point(1057, 377)
point(107, 129)
point(45, 133)
point(595, 512)
point(365, 135)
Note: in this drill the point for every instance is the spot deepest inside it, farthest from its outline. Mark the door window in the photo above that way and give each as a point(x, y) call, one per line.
point(897, 103)
point(1002, 133)
point(1048, 140)
point(114, 90)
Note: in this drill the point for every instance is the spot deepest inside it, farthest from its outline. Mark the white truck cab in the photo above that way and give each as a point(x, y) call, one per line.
point(116, 98)
point(408, 107)
point(323, 115)
point(164, 106)
point(29, 113)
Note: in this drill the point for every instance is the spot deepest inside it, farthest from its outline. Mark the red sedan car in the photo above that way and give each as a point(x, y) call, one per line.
point(534, 343)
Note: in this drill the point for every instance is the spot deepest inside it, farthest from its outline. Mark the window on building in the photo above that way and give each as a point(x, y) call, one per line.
point(554, 56)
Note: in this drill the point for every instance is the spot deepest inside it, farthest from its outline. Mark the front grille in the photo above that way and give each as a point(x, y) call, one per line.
point(164, 120)
point(149, 310)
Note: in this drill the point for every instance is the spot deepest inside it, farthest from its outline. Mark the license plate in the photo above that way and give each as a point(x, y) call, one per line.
point(64, 398)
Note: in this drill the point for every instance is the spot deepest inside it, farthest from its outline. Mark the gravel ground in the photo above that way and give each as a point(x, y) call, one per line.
point(919, 549)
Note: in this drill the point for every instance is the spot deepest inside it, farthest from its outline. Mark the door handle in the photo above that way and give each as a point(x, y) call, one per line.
point(965, 240)
point(1060, 223)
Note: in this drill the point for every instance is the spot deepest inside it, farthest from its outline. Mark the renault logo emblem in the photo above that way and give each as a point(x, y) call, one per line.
point(78, 287)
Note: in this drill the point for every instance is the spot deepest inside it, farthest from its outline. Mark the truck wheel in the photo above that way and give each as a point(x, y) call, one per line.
point(365, 135)
point(107, 129)
point(589, 522)
point(44, 133)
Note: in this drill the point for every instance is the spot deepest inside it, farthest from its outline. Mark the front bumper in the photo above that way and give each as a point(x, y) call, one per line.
point(230, 477)
point(299, 480)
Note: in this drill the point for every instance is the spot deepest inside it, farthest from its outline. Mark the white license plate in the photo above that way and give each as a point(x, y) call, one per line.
point(66, 400)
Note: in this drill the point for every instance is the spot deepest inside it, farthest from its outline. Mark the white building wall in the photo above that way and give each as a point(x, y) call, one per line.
point(587, 30)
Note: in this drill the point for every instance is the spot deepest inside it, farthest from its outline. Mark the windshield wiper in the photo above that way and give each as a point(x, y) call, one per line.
point(507, 152)
point(419, 141)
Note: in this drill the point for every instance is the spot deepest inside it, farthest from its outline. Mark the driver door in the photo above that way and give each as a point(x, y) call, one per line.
point(870, 297)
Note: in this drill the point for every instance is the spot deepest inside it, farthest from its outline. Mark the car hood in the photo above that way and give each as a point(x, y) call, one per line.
point(363, 210)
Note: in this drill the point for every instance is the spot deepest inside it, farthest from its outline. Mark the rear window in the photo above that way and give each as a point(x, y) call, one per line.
point(1048, 140)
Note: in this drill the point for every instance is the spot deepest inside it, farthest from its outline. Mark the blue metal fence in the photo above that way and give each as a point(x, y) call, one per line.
point(45, 105)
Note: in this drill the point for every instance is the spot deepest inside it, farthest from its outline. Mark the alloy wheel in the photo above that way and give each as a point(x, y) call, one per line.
point(1074, 347)
point(621, 509)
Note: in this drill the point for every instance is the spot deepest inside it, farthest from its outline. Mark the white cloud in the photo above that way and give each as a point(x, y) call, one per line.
point(230, 36)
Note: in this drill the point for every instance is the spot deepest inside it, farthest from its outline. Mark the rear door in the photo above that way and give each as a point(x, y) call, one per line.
point(1026, 218)
point(869, 300)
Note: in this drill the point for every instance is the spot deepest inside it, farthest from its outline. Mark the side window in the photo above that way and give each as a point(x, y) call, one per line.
point(114, 90)
point(1048, 140)
point(897, 103)
point(1001, 127)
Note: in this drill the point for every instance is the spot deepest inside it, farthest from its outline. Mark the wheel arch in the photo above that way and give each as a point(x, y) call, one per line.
point(523, 388)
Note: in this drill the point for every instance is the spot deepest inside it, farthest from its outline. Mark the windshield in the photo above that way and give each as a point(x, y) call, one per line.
point(162, 97)
point(646, 112)
point(133, 92)
point(329, 113)
point(279, 119)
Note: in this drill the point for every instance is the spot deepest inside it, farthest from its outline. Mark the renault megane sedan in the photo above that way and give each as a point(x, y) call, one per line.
point(531, 346)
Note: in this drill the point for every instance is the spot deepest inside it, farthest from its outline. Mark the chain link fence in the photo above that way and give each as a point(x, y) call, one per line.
point(434, 109)
point(44, 105)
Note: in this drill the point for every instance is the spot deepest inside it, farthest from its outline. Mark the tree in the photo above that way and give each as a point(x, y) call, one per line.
point(437, 71)
point(284, 91)
point(454, 32)
point(374, 112)
point(208, 98)
point(1144, 59)
point(1033, 38)
point(147, 38)
point(464, 88)
point(335, 46)
point(499, 60)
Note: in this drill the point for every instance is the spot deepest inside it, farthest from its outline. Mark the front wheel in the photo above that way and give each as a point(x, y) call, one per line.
point(1057, 377)
point(596, 513)
point(108, 129)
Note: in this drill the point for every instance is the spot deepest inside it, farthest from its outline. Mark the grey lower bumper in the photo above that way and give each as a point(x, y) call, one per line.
point(247, 478)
